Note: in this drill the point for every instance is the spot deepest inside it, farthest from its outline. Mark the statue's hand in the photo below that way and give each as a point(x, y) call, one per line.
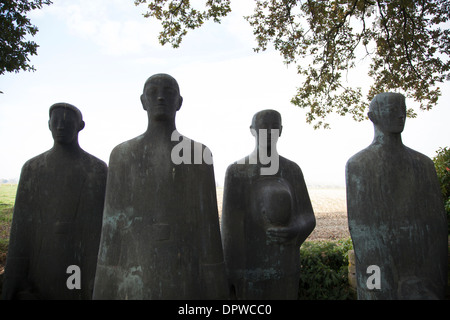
point(280, 235)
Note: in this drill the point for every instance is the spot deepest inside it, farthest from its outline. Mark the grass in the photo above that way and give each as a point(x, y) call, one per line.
point(7, 198)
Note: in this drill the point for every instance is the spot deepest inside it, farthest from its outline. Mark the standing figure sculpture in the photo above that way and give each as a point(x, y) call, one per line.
point(57, 217)
point(161, 236)
point(396, 215)
point(267, 215)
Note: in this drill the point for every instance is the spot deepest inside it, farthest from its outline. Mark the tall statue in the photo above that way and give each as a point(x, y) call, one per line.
point(57, 217)
point(267, 215)
point(161, 236)
point(396, 215)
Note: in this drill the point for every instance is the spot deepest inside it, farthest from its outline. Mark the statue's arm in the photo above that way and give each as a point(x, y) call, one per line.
point(108, 269)
point(358, 196)
point(213, 265)
point(91, 209)
point(304, 219)
point(19, 251)
point(232, 225)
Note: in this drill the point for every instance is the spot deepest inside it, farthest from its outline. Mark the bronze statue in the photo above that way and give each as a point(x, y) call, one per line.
point(395, 213)
point(161, 236)
point(57, 216)
point(267, 215)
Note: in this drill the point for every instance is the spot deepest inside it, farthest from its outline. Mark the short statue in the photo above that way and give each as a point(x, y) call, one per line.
point(396, 215)
point(267, 215)
point(161, 235)
point(57, 217)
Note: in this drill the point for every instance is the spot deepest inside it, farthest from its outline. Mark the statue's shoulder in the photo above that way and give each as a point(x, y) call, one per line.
point(126, 148)
point(363, 157)
point(232, 169)
point(420, 158)
point(289, 164)
point(93, 162)
point(239, 166)
point(418, 155)
point(36, 161)
point(198, 145)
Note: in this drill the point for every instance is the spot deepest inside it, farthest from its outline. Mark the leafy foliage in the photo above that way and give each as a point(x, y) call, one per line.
point(324, 270)
point(178, 16)
point(14, 27)
point(442, 165)
point(407, 41)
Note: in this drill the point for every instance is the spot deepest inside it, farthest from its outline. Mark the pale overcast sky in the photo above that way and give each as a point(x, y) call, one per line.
point(97, 54)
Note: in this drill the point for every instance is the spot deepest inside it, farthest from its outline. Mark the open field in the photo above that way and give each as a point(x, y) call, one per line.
point(7, 197)
point(330, 209)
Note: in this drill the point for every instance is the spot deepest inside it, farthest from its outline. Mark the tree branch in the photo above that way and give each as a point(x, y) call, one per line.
point(405, 42)
point(388, 37)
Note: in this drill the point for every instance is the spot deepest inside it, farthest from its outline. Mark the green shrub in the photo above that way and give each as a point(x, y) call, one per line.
point(442, 165)
point(324, 270)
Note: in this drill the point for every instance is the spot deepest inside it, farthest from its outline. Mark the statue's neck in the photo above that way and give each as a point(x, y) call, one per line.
point(388, 140)
point(69, 150)
point(263, 151)
point(160, 130)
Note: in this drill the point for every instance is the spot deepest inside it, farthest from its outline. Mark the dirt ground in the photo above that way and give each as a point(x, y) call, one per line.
point(330, 210)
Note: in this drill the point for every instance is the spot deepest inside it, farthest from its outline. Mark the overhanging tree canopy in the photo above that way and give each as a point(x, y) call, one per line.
point(407, 42)
point(14, 28)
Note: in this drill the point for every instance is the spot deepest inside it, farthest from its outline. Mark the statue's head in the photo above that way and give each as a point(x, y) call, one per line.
point(266, 120)
point(161, 97)
point(387, 111)
point(65, 121)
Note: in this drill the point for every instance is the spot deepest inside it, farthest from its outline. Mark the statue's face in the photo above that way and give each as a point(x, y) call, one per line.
point(64, 125)
point(161, 98)
point(390, 117)
point(264, 124)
